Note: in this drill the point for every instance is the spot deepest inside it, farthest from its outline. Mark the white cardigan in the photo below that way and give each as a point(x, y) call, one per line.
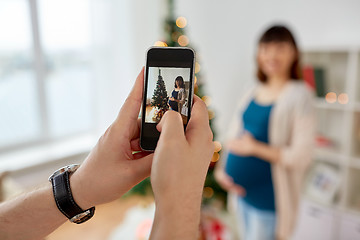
point(291, 128)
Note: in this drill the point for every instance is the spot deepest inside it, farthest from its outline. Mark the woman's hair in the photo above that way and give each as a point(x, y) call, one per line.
point(277, 34)
point(180, 80)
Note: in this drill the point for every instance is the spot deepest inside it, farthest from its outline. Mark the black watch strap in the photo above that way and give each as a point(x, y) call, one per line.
point(65, 201)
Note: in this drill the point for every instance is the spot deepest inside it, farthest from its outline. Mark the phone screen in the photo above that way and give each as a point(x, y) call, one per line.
point(168, 87)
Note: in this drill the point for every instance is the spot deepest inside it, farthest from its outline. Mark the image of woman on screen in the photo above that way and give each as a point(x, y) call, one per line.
point(177, 98)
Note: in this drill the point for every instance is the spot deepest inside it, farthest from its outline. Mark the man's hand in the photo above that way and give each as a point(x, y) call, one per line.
point(179, 168)
point(111, 169)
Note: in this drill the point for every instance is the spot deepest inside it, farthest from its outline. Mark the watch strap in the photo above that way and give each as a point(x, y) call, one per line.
point(65, 201)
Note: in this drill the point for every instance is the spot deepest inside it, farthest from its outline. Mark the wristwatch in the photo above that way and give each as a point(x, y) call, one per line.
point(64, 198)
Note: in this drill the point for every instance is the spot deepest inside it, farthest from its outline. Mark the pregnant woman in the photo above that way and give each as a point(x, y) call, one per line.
point(177, 98)
point(270, 141)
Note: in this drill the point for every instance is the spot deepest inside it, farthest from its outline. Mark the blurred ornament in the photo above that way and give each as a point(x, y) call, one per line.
point(181, 22)
point(160, 44)
point(211, 114)
point(208, 192)
point(197, 67)
point(343, 98)
point(207, 100)
point(215, 225)
point(330, 97)
point(136, 223)
point(196, 89)
point(215, 157)
point(217, 146)
point(183, 40)
point(143, 230)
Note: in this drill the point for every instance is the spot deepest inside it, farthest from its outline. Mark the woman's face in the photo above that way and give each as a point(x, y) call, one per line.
point(177, 83)
point(276, 58)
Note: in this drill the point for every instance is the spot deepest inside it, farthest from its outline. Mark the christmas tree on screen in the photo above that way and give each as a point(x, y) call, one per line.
point(160, 98)
point(174, 36)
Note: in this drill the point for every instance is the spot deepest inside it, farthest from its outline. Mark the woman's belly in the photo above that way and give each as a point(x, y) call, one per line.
point(249, 172)
point(173, 105)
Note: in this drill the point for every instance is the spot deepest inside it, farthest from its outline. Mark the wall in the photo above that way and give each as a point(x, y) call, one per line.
point(122, 32)
point(224, 34)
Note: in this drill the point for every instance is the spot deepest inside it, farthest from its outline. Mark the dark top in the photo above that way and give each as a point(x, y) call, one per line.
point(252, 173)
point(173, 104)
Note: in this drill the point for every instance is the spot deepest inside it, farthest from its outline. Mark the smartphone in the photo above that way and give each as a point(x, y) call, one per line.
point(168, 86)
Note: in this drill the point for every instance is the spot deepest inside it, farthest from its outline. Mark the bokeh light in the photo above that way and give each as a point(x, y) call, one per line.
point(183, 40)
point(181, 22)
point(211, 114)
point(197, 67)
point(208, 192)
point(196, 89)
point(160, 44)
point(207, 100)
point(215, 157)
point(217, 146)
point(330, 97)
point(343, 98)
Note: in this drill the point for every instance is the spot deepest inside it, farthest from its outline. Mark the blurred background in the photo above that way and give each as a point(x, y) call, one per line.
point(66, 67)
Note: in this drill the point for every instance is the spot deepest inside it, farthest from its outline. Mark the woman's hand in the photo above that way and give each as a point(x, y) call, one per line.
point(244, 146)
point(172, 99)
point(227, 183)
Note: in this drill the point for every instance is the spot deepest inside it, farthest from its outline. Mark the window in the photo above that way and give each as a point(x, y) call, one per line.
point(65, 38)
point(19, 111)
point(45, 70)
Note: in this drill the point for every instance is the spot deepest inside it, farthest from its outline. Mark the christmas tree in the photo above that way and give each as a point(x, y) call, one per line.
point(160, 98)
point(174, 36)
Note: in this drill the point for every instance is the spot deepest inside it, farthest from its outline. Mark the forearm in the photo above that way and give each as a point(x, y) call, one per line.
point(267, 152)
point(175, 219)
point(32, 215)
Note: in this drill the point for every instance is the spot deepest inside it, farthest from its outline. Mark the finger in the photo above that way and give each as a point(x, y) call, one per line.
point(136, 131)
point(143, 164)
point(223, 179)
point(171, 126)
point(226, 185)
point(140, 154)
point(199, 110)
point(135, 144)
point(198, 128)
point(247, 133)
point(131, 107)
point(229, 142)
point(228, 181)
point(238, 189)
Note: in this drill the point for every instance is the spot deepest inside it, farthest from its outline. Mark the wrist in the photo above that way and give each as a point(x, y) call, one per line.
point(179, 212)
point(80, 192)
point(176, 203)
point(256, 147)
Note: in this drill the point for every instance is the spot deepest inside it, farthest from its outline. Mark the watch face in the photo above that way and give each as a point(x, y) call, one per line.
point(84, 216)
point(70, 168)
point(78, 218)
